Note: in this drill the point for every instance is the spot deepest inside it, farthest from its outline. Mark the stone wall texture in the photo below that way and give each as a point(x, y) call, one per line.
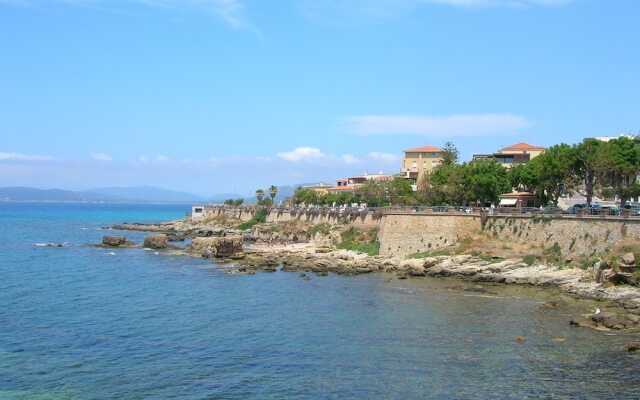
point(575, 236)
point(402, 235)
point(364, 220)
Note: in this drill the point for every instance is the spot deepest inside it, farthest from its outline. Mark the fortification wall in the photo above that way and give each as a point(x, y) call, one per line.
point(364, 220)
point(401, 235)
point(575, 236)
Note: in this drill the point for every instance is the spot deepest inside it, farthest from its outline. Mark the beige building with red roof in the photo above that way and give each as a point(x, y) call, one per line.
point(420, 161)
point(518, 153)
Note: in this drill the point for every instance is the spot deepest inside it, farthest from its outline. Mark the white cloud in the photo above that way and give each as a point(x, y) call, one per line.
point(229, 11)
point(101, 157)
point(143, 159)
point(302, 154)
point(350, 159)
point(388, 158)
point(23, 157)
point(161, 158)
point(452, 125)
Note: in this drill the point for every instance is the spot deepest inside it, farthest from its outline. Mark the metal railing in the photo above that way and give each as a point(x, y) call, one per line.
point(340, 211)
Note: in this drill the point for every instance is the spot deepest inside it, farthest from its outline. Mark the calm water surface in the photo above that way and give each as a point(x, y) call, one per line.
point(83, 322)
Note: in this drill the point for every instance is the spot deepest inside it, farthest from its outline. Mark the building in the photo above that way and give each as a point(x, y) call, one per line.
point(320, 188)
point(518, 153)
point(519, 199)
point(420, 161)
point(352, 183)
point(609, 138)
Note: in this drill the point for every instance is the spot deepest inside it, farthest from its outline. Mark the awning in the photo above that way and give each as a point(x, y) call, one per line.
point(508, 202)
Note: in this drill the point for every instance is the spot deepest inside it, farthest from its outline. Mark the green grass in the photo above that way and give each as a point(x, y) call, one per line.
point(355, 241)
point(420, 254)
point(259, 217)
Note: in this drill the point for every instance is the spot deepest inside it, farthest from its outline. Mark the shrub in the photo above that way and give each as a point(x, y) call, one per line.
point(259, 217)
point(529, 259)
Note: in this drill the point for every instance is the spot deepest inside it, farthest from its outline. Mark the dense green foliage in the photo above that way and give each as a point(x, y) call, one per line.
point(233, 202)
point(605, 168)
point(476, 182)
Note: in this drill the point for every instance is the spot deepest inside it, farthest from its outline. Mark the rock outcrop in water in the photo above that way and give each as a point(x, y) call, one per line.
point(116, 241)
point(158, 241)
point(218, 247)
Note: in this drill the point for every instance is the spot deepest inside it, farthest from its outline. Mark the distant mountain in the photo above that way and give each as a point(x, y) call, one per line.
point(135, 194)
point(147, 194)
point(139, 194)
point(32, 194)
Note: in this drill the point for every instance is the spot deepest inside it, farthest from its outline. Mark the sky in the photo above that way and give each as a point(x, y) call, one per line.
point(227, 96)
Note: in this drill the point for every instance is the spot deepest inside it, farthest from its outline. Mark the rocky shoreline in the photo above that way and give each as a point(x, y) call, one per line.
point(318, 256)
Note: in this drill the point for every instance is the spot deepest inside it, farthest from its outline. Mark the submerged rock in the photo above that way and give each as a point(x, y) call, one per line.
point(631, 347)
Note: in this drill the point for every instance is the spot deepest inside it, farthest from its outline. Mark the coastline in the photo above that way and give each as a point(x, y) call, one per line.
point(246, 253)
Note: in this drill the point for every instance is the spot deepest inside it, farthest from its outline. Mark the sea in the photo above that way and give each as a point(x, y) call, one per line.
point(86, 322)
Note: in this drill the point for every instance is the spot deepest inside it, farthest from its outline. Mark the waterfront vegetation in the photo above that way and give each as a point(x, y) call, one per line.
point(259, 217)
point(605, 169)
point(360, 241)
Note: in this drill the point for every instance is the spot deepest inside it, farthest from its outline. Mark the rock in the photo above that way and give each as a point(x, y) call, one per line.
point(477, 289)
point(174, 237)
point(635, 346)
point(554, 303)
point(582, 322)
point(220, 247)
point(519, 339)
point(596, 272)
point(609, 320)
point(156, 241)
point(430, 262)
point(629, 259)
point(114, 241)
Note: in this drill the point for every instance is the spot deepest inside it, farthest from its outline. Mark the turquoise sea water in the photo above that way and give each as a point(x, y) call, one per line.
point(82, 322)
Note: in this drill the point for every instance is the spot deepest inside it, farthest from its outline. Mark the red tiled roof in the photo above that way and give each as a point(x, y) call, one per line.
point(424, 149)
point(523, 146)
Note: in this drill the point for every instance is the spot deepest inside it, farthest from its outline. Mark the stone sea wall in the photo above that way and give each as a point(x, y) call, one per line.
point(402, 235)
point(365, 220)
point(575, 236)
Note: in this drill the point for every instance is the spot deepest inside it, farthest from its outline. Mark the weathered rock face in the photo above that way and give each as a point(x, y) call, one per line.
point(156, 241)
point(114, 241)
point(221, 247)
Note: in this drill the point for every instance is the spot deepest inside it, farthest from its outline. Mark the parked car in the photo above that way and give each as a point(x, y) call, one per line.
point(635, 209)
point(574, 208)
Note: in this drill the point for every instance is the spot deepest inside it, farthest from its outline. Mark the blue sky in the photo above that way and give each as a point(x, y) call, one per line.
point(215, 96)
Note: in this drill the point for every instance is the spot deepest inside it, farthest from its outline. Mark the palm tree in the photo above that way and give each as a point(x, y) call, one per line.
point(273, 191)
point(260, 195)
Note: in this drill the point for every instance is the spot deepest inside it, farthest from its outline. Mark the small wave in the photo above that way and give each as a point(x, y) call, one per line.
point(40, 245)
point(111, 253)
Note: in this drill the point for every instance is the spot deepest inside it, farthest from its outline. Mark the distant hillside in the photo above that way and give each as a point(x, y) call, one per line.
point(147, 194)
point(141, 194)
point(135, 194)
point(32, 194)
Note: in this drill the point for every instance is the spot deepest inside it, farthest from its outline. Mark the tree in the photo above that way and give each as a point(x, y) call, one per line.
point(622, 164)
point(445, 185)
point(556, 171)
point(590, 165)
point(305, 196)
point(273, 192)
point(450, 154)
point(524, 176)
point(259, 195)
point(486, 180)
